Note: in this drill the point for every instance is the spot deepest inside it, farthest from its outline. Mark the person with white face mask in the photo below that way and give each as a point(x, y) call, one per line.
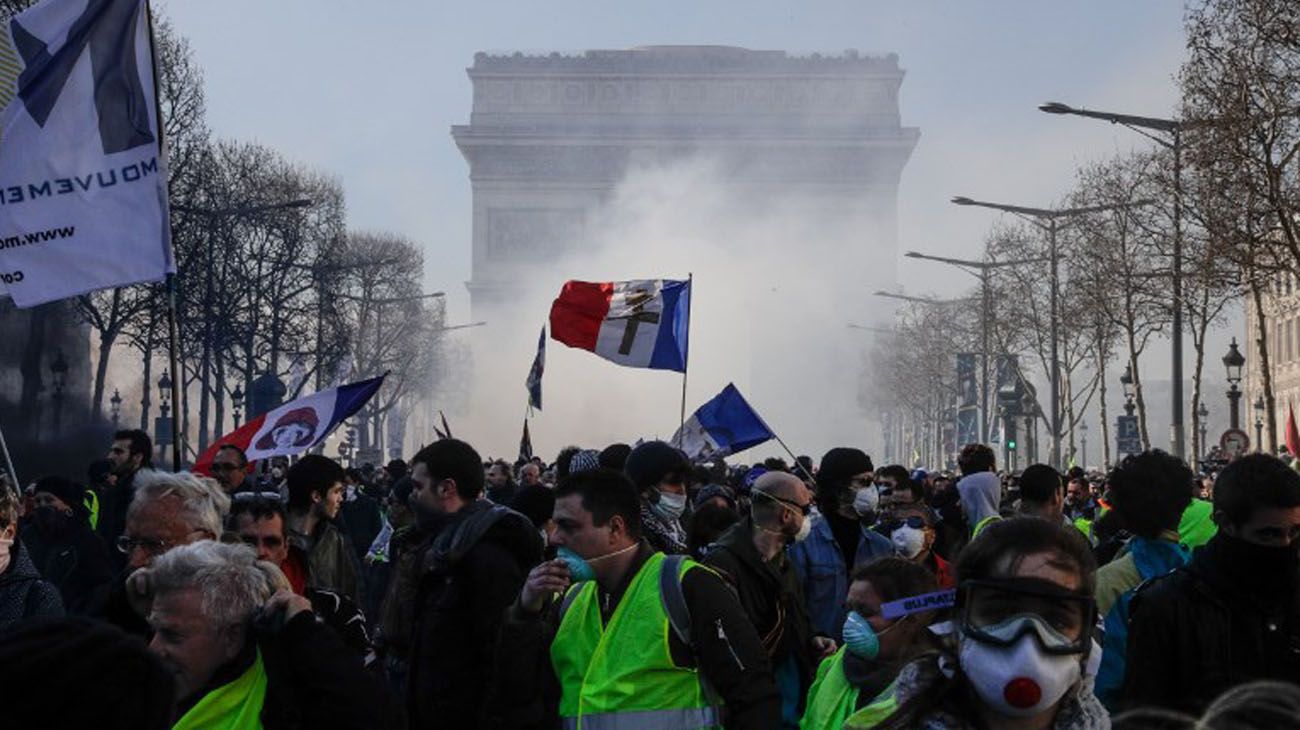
point(911, 531)
point(1022, 655)
point(841, 536)
point(659, 472)
point(752, 555)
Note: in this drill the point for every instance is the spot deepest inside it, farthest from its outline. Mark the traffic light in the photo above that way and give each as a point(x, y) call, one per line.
point(1011, 444)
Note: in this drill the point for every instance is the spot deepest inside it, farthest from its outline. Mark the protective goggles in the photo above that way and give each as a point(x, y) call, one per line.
point(1001, 612)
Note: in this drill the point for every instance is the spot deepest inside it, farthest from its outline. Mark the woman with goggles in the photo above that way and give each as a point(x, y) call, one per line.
point(855, 686)
point(1022, 654)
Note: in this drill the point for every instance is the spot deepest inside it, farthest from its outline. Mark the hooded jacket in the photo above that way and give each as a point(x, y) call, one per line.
point(980, 494)
point(470, 574)
point(22, 592)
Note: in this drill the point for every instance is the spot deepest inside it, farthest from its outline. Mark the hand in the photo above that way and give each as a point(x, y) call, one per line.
point(823, 646)
point(546, 579)
point(139, 592)
point(291, 603)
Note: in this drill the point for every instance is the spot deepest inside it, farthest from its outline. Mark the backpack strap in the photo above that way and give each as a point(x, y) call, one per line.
point(674, 601)
point(570, 596)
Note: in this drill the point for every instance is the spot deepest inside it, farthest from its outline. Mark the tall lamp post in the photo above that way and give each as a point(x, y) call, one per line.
point(59, 377)
point(1083, 440)
point(1126, 381)
point(1234, 361)
point(115, 407)
point(1259, 423)
point(1170, 136)
point(1203, 415)
point(237, 402)
point(982, 271)
point(162, 426)
point(1047, 219)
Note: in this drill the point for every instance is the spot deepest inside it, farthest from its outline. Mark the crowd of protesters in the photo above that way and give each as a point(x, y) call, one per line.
point(627, 587)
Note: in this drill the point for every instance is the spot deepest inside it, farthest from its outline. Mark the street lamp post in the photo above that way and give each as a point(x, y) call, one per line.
point(1173, 128)
point(1259, 423)
point(1083, 439)
point(59, 376)
point(1234, 361)
point(1203, 416)
point(1047, 219)
point(237, 402)
point(981, 270)
point(162, 426)
point(1126, 381)
point(115, 407)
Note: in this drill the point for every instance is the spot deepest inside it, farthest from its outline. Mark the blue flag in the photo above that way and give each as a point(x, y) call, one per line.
point(725, 425)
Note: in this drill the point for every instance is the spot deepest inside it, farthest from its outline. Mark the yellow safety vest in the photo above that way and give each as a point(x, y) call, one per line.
point(621, 675)
point(233, 706)
point(833, 701)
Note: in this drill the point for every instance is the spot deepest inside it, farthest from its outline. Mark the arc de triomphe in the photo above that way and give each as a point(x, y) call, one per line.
point(550, 136)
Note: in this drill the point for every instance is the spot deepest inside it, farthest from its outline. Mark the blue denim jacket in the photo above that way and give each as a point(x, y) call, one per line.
point(824, 576)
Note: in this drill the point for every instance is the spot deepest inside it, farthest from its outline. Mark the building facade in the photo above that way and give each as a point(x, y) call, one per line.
point(1281, 323)
point(551, 136)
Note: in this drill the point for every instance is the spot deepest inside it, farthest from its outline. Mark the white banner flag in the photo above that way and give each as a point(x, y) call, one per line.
point(83, 184)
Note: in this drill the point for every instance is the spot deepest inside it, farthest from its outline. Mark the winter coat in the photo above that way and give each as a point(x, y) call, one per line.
point(23, 594)
point(397, 614)
point(770, 594)
point(824, 577)
point(362, 521)
point(469, 575)
point(76, 563)
point(313, 679)
point(113, 503)
point(1198, 631)
point(331, 564)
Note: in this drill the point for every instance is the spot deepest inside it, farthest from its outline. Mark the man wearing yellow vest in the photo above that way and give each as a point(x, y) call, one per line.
point(246, 652)
point(613, 634)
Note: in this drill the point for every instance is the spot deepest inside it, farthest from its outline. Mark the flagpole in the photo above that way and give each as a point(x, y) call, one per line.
point(173, 353)
point(793, 459)
point(9, 462)
point(686, 356)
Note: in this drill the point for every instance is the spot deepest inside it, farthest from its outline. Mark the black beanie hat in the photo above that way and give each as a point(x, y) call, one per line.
point(615, 456)
point(537, 503)
point(651, 461)
point(842, 462)
point(72, 494)
point(402, 489)
point(115, 680)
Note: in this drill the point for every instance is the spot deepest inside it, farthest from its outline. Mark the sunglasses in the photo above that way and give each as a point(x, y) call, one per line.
point(804, 509)
point(914, 522)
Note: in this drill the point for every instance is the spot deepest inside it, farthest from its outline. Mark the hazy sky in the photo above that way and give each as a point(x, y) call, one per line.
point(368, 92)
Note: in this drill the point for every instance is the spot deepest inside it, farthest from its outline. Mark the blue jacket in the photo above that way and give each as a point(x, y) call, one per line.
point(824, 576)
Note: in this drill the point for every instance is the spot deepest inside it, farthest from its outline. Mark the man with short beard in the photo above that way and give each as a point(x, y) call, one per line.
point(131, 451)
point(751, 554)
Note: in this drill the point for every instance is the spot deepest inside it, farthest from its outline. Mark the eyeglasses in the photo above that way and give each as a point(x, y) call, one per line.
point(1001, 612)
point(804, 509)
point(127, 544)
point(250, 496)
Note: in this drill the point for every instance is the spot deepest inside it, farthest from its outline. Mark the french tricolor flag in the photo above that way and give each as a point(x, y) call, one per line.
point(643, 323)
point(295, 426)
